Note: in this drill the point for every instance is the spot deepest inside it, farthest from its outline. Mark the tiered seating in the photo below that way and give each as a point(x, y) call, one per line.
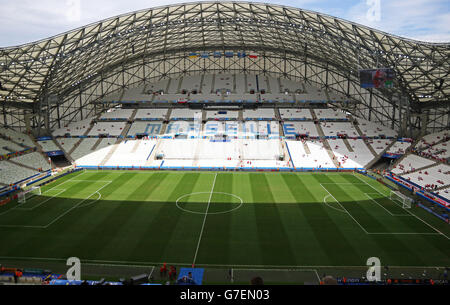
point(261, 128)
point(438, 176)
point(151, 114)
point(432, 139)
point(240, 84)
point(117, 114)
point(160, 86)
point(173, 86)
point(329, 114)
point(169, 98)
point(185, 114)
point(150, 129)
point(182, 128)
point(7, 147)
point(207, 84)
point(260, 114)
point(295, 114)
point(274, 85)
point(302, 128)
point(17, 137)
point(240, 98)
point(48, 146)
point(399, 147)
point(191, 83)
point(86, 145)
point(261, 150)
point(11, 173)
point(74, 129)
point(334, 129)
point(223, 82)
point(213, 128)
point(67, 143)
point(107, 128)
point(34, 160)
point(277, 98)
point(439, 151)
point(125, 156)
point(84, 156)
point(222, 115)
point(362, 153)
point(379, 145)
point(371, 129)
point(318, 157)
point(348, 159)
point(291, 86)
point(136, 94)
point(411, 163)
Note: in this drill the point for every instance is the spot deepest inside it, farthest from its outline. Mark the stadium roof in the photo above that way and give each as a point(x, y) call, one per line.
point(57, 64)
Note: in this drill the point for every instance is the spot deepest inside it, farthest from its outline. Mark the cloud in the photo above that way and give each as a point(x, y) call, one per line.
point(24, 21)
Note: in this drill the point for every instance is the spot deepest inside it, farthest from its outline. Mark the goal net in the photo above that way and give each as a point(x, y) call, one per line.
point(399, 197)
point(29, 193)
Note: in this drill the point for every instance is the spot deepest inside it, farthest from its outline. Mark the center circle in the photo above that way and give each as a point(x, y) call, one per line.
point(236, 203)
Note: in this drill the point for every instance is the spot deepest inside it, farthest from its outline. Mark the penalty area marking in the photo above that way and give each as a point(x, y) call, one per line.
point(78, 205)
point(328, 205)
point(209, 213)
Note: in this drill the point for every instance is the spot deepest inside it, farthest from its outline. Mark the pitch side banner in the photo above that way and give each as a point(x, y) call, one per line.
point(377, 78)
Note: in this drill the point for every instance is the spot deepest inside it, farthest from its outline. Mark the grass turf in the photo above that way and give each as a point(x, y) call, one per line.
point(259, 220)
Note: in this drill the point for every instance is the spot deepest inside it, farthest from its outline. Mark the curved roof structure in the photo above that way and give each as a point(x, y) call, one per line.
point(71, 62)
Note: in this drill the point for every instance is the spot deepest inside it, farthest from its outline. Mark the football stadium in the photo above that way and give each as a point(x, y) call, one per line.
point(225, 143)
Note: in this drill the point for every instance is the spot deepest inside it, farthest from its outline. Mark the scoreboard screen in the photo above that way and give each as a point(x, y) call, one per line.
point(377, 78)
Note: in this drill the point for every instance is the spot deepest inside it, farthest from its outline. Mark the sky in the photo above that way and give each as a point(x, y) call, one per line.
point(24, 21)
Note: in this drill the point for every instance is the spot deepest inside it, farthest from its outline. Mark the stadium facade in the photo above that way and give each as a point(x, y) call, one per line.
point(66, 78)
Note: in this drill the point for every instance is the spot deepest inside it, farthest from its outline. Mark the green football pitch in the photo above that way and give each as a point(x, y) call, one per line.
point(221, 220)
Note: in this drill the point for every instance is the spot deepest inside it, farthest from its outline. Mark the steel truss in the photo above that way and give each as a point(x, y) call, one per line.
point(61, 79)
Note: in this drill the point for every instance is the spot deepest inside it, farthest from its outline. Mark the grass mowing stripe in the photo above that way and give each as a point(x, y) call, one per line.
point(217, 232)
point(204, 220)
point(325, 227)
point(272, 236)
point(88, 228)
point(122, 221)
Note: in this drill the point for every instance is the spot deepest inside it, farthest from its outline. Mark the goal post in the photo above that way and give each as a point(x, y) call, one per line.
point(399, 197)
point(25, 195)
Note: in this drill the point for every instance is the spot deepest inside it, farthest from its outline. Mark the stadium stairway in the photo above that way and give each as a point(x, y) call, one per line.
point(64, 151)
point(277, 114)
point(85, 134)
point(374, 153)
point(41, 151)
point(198, 148)
point(168, 85)
point(151, 158)
point(241, 115)
point(22, 165)
point(325, 143)
point(133, 115)
point(347, 144)
point(306, 147)
point(213, 83)
point(179, 84)
point(111, 152)
point(314, 116)
point(136, 146)
point(97, 144)
point(379, 156)
point(168, 115)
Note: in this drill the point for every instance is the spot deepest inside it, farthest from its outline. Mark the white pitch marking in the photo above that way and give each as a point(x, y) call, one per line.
point(407, 210)
point(204, 220)
point(394, 215)
point(345, 210)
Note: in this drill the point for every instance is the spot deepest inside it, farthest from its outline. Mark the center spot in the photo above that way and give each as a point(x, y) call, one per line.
point(220, 203)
